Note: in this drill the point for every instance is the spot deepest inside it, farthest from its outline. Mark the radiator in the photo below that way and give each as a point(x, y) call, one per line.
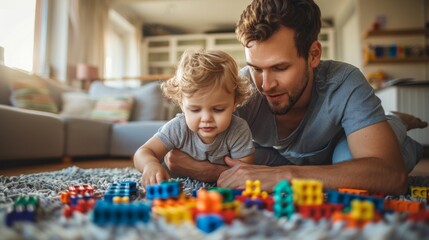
point(411, 99)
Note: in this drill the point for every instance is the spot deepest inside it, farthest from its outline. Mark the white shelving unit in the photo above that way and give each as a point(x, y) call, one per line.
point(162, 53)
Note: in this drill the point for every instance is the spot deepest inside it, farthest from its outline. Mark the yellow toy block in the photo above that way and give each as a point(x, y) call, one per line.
point(420, 192)
point(362, 210)
point(253, 190)
point(307, 192)
point(174, 215)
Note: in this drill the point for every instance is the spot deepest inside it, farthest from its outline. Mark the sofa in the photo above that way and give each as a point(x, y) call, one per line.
point(74, 130)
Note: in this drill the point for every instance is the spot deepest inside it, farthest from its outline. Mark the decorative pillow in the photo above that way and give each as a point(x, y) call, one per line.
point(115, 108)
point(77, 104)
point(149, 101)
point(33, 95)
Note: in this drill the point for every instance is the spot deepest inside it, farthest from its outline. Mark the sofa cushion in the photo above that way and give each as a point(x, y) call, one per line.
point(149, 101)
point(77, 104)
point(33, 95)
point(115, 108)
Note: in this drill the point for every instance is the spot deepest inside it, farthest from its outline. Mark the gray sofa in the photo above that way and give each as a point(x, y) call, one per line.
point(29, 134)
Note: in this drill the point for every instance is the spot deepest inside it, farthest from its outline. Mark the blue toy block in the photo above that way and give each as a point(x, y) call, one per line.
point(122, 189)
point(248, 203)
point(209, 222)
point(24, 209)
point(164, 190)
point(106, 212)
point(333, 196)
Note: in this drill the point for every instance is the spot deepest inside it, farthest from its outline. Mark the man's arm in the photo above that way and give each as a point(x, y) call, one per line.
point(181, 164)
point(377, 166)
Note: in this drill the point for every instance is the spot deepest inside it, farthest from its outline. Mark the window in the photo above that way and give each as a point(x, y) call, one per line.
point(17, 20)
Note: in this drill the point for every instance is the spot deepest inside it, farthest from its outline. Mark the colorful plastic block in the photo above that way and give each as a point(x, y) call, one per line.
point(317, 212)
point(106, 212)
point(174, 214)
point(403, 205)
point(209, 201)
point(209, 222)
point(353, 191)
point(163, 190)
point(122, 189)
point(283, 200)
point(253, 189)
point(24, 209)
point(362, 210)
point(418, 192)
point(307, 192)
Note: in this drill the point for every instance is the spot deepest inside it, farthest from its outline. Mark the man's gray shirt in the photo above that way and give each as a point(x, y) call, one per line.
point(235, 141)
point(342, 102)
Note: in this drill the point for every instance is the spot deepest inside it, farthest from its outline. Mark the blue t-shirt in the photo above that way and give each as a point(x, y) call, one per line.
point(342, 102)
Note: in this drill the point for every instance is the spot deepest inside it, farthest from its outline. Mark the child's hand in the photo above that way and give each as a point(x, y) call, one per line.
point(154, 173)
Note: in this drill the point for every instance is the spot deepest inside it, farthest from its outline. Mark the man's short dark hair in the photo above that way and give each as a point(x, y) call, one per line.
point(262, 18)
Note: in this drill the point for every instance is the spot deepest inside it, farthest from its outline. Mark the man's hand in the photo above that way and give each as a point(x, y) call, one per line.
point(182, 165)
point(236, 176)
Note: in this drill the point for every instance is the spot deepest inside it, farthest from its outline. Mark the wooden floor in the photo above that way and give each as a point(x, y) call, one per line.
point(422, 168)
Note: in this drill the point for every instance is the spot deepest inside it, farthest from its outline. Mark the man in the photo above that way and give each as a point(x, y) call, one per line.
point(309, 118)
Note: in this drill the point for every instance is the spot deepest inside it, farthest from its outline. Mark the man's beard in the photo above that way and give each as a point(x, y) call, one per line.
point(293, 98)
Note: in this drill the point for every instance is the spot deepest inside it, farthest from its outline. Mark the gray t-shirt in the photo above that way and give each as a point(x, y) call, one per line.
point(235, 141)
point(342, 102)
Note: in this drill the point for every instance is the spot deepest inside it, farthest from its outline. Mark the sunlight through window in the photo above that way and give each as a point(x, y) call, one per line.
point(17, 32)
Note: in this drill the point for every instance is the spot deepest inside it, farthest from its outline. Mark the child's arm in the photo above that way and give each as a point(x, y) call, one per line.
point(147, 160)
point(247, 159)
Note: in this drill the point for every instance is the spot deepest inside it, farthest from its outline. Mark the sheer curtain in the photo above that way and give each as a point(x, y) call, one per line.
point(87, 33)
point(68, 33)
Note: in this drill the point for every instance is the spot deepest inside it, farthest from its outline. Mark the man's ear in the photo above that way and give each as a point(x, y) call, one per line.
point(314, 54)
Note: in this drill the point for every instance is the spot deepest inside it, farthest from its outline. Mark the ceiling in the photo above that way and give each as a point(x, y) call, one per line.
point(198, 16)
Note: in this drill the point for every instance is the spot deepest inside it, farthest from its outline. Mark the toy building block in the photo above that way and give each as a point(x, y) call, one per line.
point(403, 205)
point(307, 192)
point(283, 200)
point(163, 190)
point(24, 209)
point(419, 192)
point(227, 194)
point(333, 196)
point(209, 222)
point(82, 206)
point(122, 189)
point(253, 189)
point(209, 201)
point(354, 191)
point(362, 210)
point(318, 212)
point(76, 192)
point(106, 212)
point(174, 214)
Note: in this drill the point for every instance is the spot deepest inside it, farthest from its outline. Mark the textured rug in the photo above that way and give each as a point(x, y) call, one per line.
point(254, 224)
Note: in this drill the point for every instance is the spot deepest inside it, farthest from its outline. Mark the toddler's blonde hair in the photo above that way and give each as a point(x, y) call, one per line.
point(205, 70)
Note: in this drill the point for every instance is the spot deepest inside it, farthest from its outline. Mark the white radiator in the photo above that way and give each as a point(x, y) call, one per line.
point(411, 99)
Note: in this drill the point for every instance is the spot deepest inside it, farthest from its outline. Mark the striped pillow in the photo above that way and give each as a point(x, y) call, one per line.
point(33, 95)
point(115, 108)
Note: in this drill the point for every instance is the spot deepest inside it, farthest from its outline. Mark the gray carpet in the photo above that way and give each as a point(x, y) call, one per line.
point(253, 225)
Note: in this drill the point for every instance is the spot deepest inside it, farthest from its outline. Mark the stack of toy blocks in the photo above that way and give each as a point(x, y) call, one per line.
point(117, 208)
point(308, 198)
point(25, 208)
point(77, 198)
point(253, 196)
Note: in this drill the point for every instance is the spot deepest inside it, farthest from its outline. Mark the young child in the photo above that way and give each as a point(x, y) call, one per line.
point(208, 89)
